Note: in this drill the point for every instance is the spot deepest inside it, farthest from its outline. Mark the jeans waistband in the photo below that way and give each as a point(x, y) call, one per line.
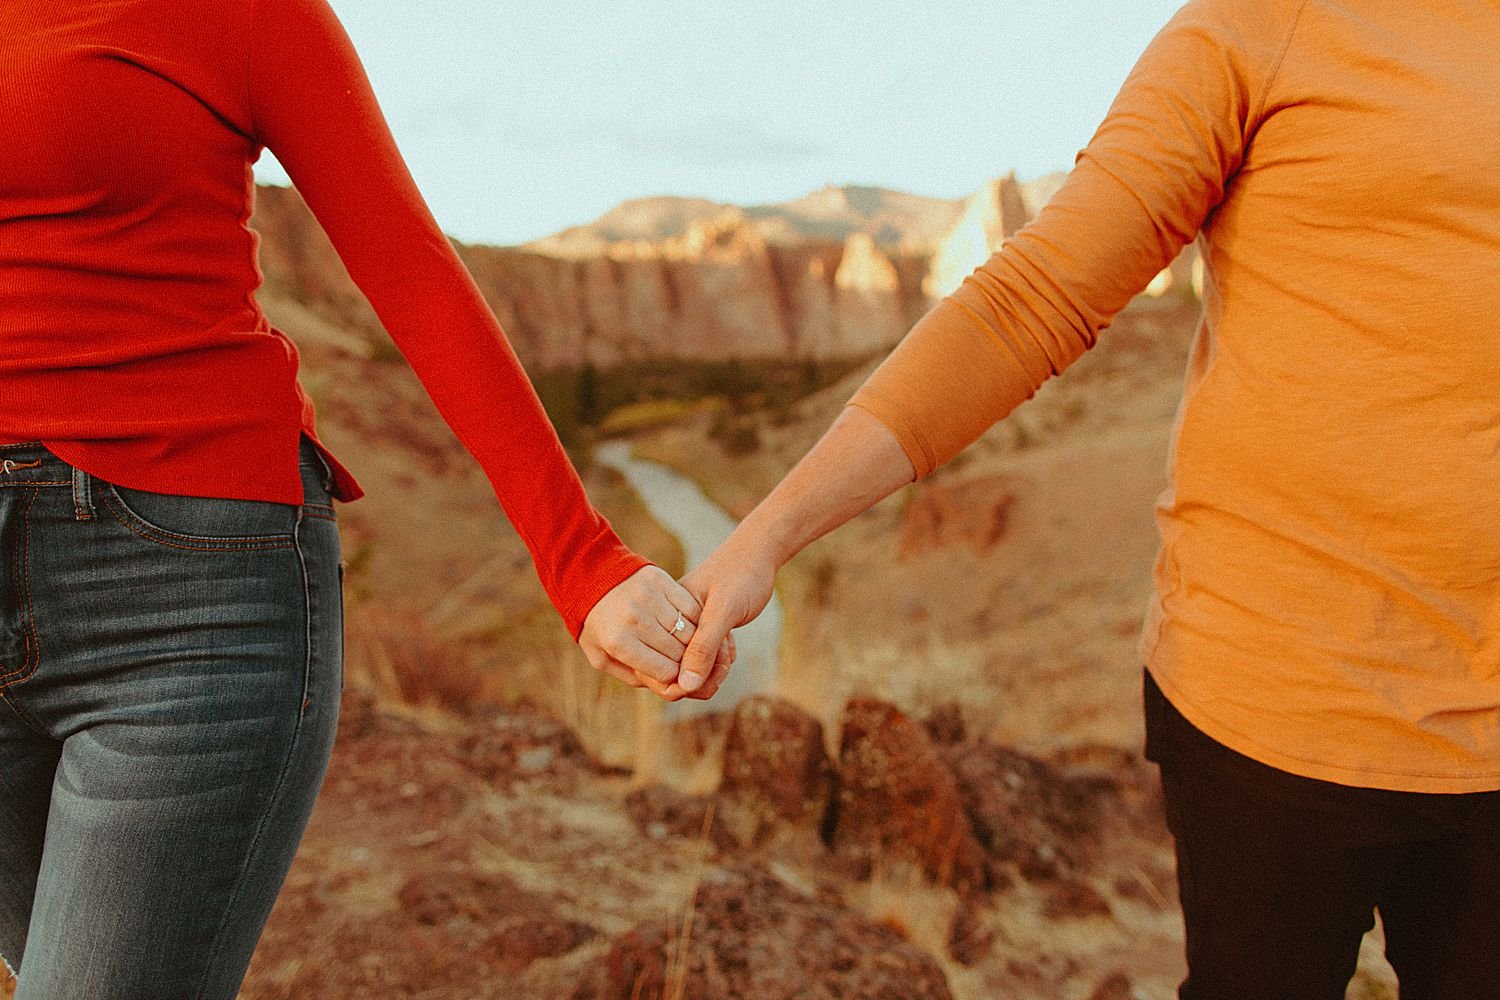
point(31, 464)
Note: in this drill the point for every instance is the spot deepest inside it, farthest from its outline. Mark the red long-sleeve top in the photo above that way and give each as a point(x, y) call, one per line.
point(131, 342)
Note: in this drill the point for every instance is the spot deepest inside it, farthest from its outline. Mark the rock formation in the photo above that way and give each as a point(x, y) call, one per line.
point(842, 273)
point(776, 772)
point(992, 215)
point(898, 800)
point(753, 936)
point(720, 290)
point(997, 211)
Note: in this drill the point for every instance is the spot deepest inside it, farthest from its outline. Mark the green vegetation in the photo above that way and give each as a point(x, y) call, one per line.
point(589, 400)
point(738, 434)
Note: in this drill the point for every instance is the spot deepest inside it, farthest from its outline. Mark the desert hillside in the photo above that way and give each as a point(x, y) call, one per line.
point(893, 219)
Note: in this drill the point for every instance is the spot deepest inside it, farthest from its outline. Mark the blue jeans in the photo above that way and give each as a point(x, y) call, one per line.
point(170, 671)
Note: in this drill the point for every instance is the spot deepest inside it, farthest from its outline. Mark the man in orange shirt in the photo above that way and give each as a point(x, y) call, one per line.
point(1323, 647)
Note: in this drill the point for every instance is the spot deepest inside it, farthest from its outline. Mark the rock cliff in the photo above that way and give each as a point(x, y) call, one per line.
point(841, 273)
point(994, 213)
point(719, 290)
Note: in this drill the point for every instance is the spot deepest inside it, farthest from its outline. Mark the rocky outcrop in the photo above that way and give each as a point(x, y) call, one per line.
point(777, 775)
point(898, 800)
point(895, 220)
point(995, 213)
point(751, 935)
point(842, 273)
point(998, 210)
point(973, 515)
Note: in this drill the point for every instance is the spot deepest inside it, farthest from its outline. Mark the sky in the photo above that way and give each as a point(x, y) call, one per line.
point(520, 118)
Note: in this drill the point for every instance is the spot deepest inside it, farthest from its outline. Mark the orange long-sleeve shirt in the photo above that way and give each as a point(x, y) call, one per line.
point(131, 342)
point(1328, 586)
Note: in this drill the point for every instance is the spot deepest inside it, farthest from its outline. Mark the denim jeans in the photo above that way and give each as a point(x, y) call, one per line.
point(170, 671)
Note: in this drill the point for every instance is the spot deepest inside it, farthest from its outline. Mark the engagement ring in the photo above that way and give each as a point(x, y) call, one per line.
point(681, 624)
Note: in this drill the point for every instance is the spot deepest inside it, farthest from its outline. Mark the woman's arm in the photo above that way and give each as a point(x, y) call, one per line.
point(311, 104)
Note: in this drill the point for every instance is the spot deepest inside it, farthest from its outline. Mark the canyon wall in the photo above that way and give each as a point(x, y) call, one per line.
point(720, 290)
point(841, 273)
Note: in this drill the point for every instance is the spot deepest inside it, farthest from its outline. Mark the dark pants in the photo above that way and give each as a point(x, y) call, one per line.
point(1280, 876)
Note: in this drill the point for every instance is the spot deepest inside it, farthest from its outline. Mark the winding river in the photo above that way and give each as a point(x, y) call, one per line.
point(700, 526)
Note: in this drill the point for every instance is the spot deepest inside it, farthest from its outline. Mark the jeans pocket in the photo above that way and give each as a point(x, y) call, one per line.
point(202, 523)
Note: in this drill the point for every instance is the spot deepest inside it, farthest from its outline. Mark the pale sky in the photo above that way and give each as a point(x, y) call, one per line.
point(522, 118)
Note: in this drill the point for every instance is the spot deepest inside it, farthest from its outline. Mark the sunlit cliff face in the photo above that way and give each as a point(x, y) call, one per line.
point(1160, 285)
point(864, 268)
point(995, 212)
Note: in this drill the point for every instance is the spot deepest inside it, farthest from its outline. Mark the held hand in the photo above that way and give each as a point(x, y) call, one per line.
point(638, 631)
point(676, 692)
point(734, 586)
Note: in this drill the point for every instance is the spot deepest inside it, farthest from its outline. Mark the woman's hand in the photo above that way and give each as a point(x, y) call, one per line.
point(638, 632)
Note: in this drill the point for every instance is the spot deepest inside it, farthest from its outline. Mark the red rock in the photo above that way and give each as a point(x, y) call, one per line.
point(897, 799)
point(1075, 899)
point(969, 941)
point(1047, 819)
point(434, 898)
point(752, 936)
point(973, 515)
point(718, 291)
point(519, 944)
point(1115, 986)
point(776, 771)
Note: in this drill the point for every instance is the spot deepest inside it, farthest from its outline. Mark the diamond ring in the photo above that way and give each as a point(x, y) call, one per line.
point(681, 624)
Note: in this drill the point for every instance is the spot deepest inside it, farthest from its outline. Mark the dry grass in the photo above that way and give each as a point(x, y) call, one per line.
point(653, 413)
point(678, 963)
point(613, 721)
point(395, 656)
point(901, 897)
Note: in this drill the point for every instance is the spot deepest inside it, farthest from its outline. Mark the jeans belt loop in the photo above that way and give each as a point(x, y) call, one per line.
point(83, 495)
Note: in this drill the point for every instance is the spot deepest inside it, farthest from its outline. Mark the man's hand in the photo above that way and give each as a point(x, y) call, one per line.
point(675, 690)
point(734, 585)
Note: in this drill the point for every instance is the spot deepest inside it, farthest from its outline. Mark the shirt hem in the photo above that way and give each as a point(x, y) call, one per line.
point(1370, 777)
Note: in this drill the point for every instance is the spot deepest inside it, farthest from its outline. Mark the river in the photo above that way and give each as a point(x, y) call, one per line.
point(700, 526)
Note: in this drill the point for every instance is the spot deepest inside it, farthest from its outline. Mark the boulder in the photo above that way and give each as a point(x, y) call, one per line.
point(750, 935)
point(898, 800)
point(776, 772)
point(1048, 820)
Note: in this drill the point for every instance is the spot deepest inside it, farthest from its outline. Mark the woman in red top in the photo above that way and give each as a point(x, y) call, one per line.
point(170, 651)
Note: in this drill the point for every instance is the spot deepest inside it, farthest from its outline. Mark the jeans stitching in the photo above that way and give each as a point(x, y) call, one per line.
point(160, 536)
point(21, 581)
point(83, 496)
point(286, 765)
point(26, 718)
